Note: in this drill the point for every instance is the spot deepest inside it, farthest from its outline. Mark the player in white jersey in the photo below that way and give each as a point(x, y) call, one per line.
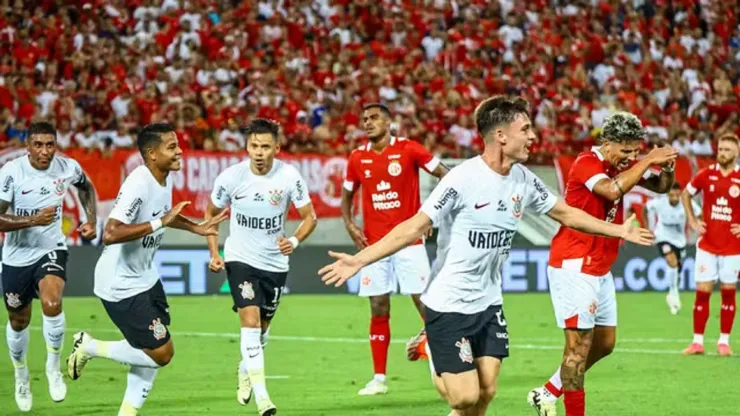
point(126, 279)
point(35, 251)
point(466, 327)
point(670, 237)
point(259, 192)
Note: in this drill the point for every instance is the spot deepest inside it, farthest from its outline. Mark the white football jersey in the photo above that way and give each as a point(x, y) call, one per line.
point(127, 269)
point(478, 212)
point(671, 226)
point(29, 190)
point(259, 204)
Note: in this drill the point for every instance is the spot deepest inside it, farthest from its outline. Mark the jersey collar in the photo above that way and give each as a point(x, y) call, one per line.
point(596, 151)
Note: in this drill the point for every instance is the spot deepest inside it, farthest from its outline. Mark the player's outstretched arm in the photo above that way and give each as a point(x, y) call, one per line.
point(117, 232)
point(614, 188)
point(579, 220)
point(401, 236)
point(86, 191)
point(207, 228)
point(14, 222)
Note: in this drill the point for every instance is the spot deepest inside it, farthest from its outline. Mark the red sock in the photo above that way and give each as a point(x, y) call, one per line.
point(701, 311)
point(553, 389)
point(727, 315)
point(575, 403)
point(380, 340)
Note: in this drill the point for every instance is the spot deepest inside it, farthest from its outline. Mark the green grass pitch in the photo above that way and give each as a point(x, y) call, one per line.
point(318, 357)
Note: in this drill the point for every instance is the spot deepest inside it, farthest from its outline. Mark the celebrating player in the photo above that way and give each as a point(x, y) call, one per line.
point(35, 251)
point(387, 169)
point(718, 248)
point(126, 279)
point(259, 191)
point(670, 237)
point(466, 327)
point(581, 285)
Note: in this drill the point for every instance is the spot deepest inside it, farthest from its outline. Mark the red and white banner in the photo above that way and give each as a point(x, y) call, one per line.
point(194, 182)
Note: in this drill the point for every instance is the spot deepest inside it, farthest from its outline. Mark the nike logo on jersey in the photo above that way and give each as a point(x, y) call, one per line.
point(238, 197)
point(155, 213)
point(27, 191)
point(479, 206)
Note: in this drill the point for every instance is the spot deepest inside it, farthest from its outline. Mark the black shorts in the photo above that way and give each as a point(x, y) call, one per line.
point(21, 284)
point(143, 319)
point(664, 248)
point(456, 340)
point(251, 286)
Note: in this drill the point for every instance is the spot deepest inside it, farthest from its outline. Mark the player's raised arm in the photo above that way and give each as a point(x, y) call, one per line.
point(86, 191)
point(579, 220)
point(117, 231)
point(207, 228)
point(614, 188)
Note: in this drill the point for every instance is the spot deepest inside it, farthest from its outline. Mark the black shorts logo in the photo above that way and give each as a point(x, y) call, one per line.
point(466, 352)
point(158, 329)
point(247, 290)
point(14, 300)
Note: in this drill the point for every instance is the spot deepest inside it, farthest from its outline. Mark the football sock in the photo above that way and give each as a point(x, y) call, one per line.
point(673, 278)
point(380, 340)
point(120, 351)
point(727, 315)
point(254, 361)
point(18, 346)
point(265, 336)
point(575, 403)
point(53, 327)
point(701, 313)
point(555, 384)
point(138, 385)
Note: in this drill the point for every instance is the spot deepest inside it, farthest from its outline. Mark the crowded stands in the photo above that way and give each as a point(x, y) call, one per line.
point(99, 69)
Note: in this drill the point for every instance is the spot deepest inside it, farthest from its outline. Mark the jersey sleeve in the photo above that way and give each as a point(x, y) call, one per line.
point(588, 170)
point(7, 182)
point(421, 156)
point(221, 194)
point(78, 177)
point(446, 197)
point(541, 199)
point(351, 179)
point(299, 191)
point(129, 201)
point(698, 183)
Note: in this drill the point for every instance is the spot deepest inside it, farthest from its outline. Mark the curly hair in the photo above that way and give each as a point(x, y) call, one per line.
point(622, 127)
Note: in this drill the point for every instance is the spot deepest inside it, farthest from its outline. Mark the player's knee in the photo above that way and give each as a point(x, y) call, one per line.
point(250, 317)
point(19, 322)
point(51, 305)
point(462, 400)
point(487, 393)
point(164, 354)
point(380, 305)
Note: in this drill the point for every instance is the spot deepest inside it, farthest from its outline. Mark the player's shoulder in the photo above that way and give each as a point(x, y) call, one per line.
point(138, 176)
point(588, 156)
point(404, 143)
point(65, 163)
point(287, 170)
point(236, 170)
point(14, 164)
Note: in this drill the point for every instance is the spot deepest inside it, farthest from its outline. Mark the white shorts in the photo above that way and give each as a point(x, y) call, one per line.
point(408, 268)
point(711, 267)
point(582, 301)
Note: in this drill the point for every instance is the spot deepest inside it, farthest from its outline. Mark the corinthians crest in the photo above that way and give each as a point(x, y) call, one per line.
point(275, 197)
point(517, 205)
point(158, 328)
point(466, 352)
point(247, 290)
point(59, 186)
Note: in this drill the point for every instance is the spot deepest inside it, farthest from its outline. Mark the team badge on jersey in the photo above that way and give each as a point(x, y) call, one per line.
point(517, 205)
point(247, 290)
point(734, 191)
point(275, 197)
point(394, 168)
point(13, 300)
point(59, 186)
point(593, 307)
point(158, 328)
point(466, 352)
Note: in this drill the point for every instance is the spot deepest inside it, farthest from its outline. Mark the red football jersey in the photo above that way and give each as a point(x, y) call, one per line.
point(594, 253)
point(721, 208)
point(390, 183)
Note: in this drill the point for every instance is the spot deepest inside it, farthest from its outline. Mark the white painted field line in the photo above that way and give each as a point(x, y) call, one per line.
point(515, 345)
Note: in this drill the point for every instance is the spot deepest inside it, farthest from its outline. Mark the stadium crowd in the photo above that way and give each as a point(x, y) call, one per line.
point(99, 69)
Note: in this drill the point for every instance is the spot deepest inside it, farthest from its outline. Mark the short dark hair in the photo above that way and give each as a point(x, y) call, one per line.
point(41, 127)
point(676, 185)
point(151, 136)
point(498, 110)
point(261, 126)
point(730, 138)
point(382, 107)
point(622, 127)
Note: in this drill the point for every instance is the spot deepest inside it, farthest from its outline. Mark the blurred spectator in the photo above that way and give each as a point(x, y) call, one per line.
point(701, 146)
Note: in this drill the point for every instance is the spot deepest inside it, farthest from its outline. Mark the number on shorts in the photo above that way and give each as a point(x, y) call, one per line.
point(52, 255)
point(276, 299)
point(500, 318)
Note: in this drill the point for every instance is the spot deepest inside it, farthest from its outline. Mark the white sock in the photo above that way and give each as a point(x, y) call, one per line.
point(120, 351)
point(380, 377)
point(265, 336)
point(724, 339)
point(556, 381)
point(18, 346)
point(673, 278)
point(698, 339)
point(138, 385)
point(254, 361)
point(53, 327)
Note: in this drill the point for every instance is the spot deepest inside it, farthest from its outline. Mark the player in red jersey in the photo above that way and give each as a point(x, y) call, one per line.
point(718, 248)
point(581, 285)
point(387, 168)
